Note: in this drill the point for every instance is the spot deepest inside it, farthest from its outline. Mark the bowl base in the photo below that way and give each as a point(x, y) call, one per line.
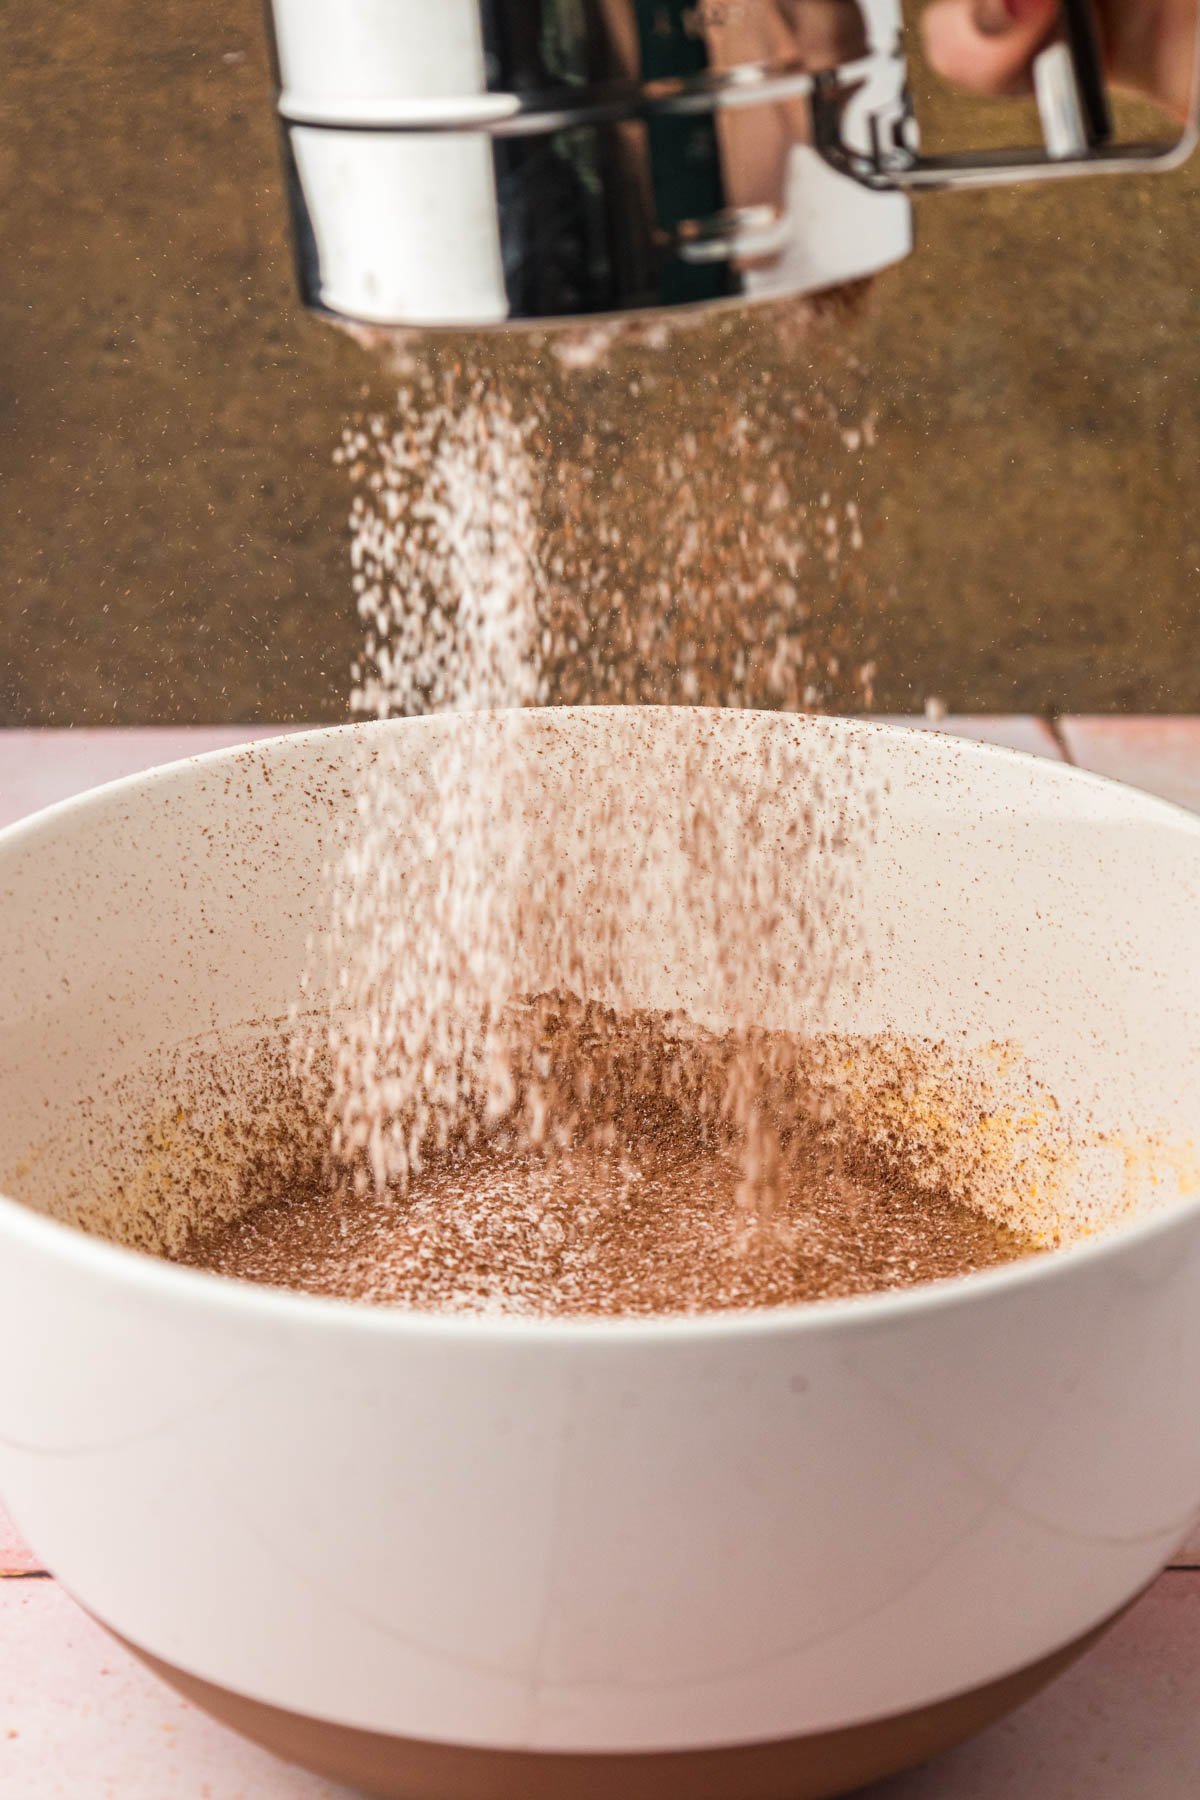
point(815, 1767)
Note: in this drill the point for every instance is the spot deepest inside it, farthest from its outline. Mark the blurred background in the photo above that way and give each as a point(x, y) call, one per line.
point(1017, 413)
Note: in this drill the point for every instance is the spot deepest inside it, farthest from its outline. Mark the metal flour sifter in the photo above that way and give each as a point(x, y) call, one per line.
point(477, 162)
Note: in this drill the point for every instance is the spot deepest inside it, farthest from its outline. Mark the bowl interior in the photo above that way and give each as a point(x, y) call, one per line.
point(1029, 926)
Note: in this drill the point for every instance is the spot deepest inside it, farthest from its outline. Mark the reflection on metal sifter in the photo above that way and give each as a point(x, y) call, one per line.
point(476, 162)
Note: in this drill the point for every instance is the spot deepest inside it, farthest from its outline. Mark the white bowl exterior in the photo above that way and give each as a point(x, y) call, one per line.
point(606, 1536)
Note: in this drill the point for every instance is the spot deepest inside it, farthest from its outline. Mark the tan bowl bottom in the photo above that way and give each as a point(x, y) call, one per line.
point(803, 1768)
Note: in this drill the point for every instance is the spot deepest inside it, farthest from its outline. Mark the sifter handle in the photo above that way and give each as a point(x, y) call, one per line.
point(873, 136)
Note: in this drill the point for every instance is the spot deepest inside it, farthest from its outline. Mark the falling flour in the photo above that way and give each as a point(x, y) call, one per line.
point(578, 520)
point(593, 520)
point(444, 556)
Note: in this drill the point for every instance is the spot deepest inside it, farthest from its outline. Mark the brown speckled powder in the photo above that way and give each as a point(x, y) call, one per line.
point(719, 568)
point(617, 1184)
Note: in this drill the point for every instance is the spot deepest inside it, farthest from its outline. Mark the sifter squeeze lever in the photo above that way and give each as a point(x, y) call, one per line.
point(882, 149)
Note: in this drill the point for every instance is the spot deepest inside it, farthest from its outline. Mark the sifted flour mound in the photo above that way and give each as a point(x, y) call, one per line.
point(615, 1183)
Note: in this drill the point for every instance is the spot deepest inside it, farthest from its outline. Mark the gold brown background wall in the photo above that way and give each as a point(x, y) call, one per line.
point(173, 523)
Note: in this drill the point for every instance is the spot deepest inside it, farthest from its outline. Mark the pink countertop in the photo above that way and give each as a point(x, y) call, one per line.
point(80, 1720)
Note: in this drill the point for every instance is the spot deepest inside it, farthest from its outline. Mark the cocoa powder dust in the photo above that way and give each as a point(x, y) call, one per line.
point(618, 1184)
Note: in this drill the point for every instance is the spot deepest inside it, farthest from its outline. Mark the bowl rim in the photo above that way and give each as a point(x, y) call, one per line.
point(154, 1277)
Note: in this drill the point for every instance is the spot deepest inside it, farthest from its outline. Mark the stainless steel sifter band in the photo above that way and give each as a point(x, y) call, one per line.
point(487, 161)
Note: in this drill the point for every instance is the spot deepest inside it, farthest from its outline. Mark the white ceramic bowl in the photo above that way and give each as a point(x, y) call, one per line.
point(764, 1554)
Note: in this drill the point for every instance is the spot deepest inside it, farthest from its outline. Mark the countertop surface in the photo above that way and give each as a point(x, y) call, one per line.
point(80, 1720)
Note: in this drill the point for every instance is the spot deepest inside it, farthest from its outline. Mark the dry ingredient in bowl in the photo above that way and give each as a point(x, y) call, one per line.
point(622, 1181)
